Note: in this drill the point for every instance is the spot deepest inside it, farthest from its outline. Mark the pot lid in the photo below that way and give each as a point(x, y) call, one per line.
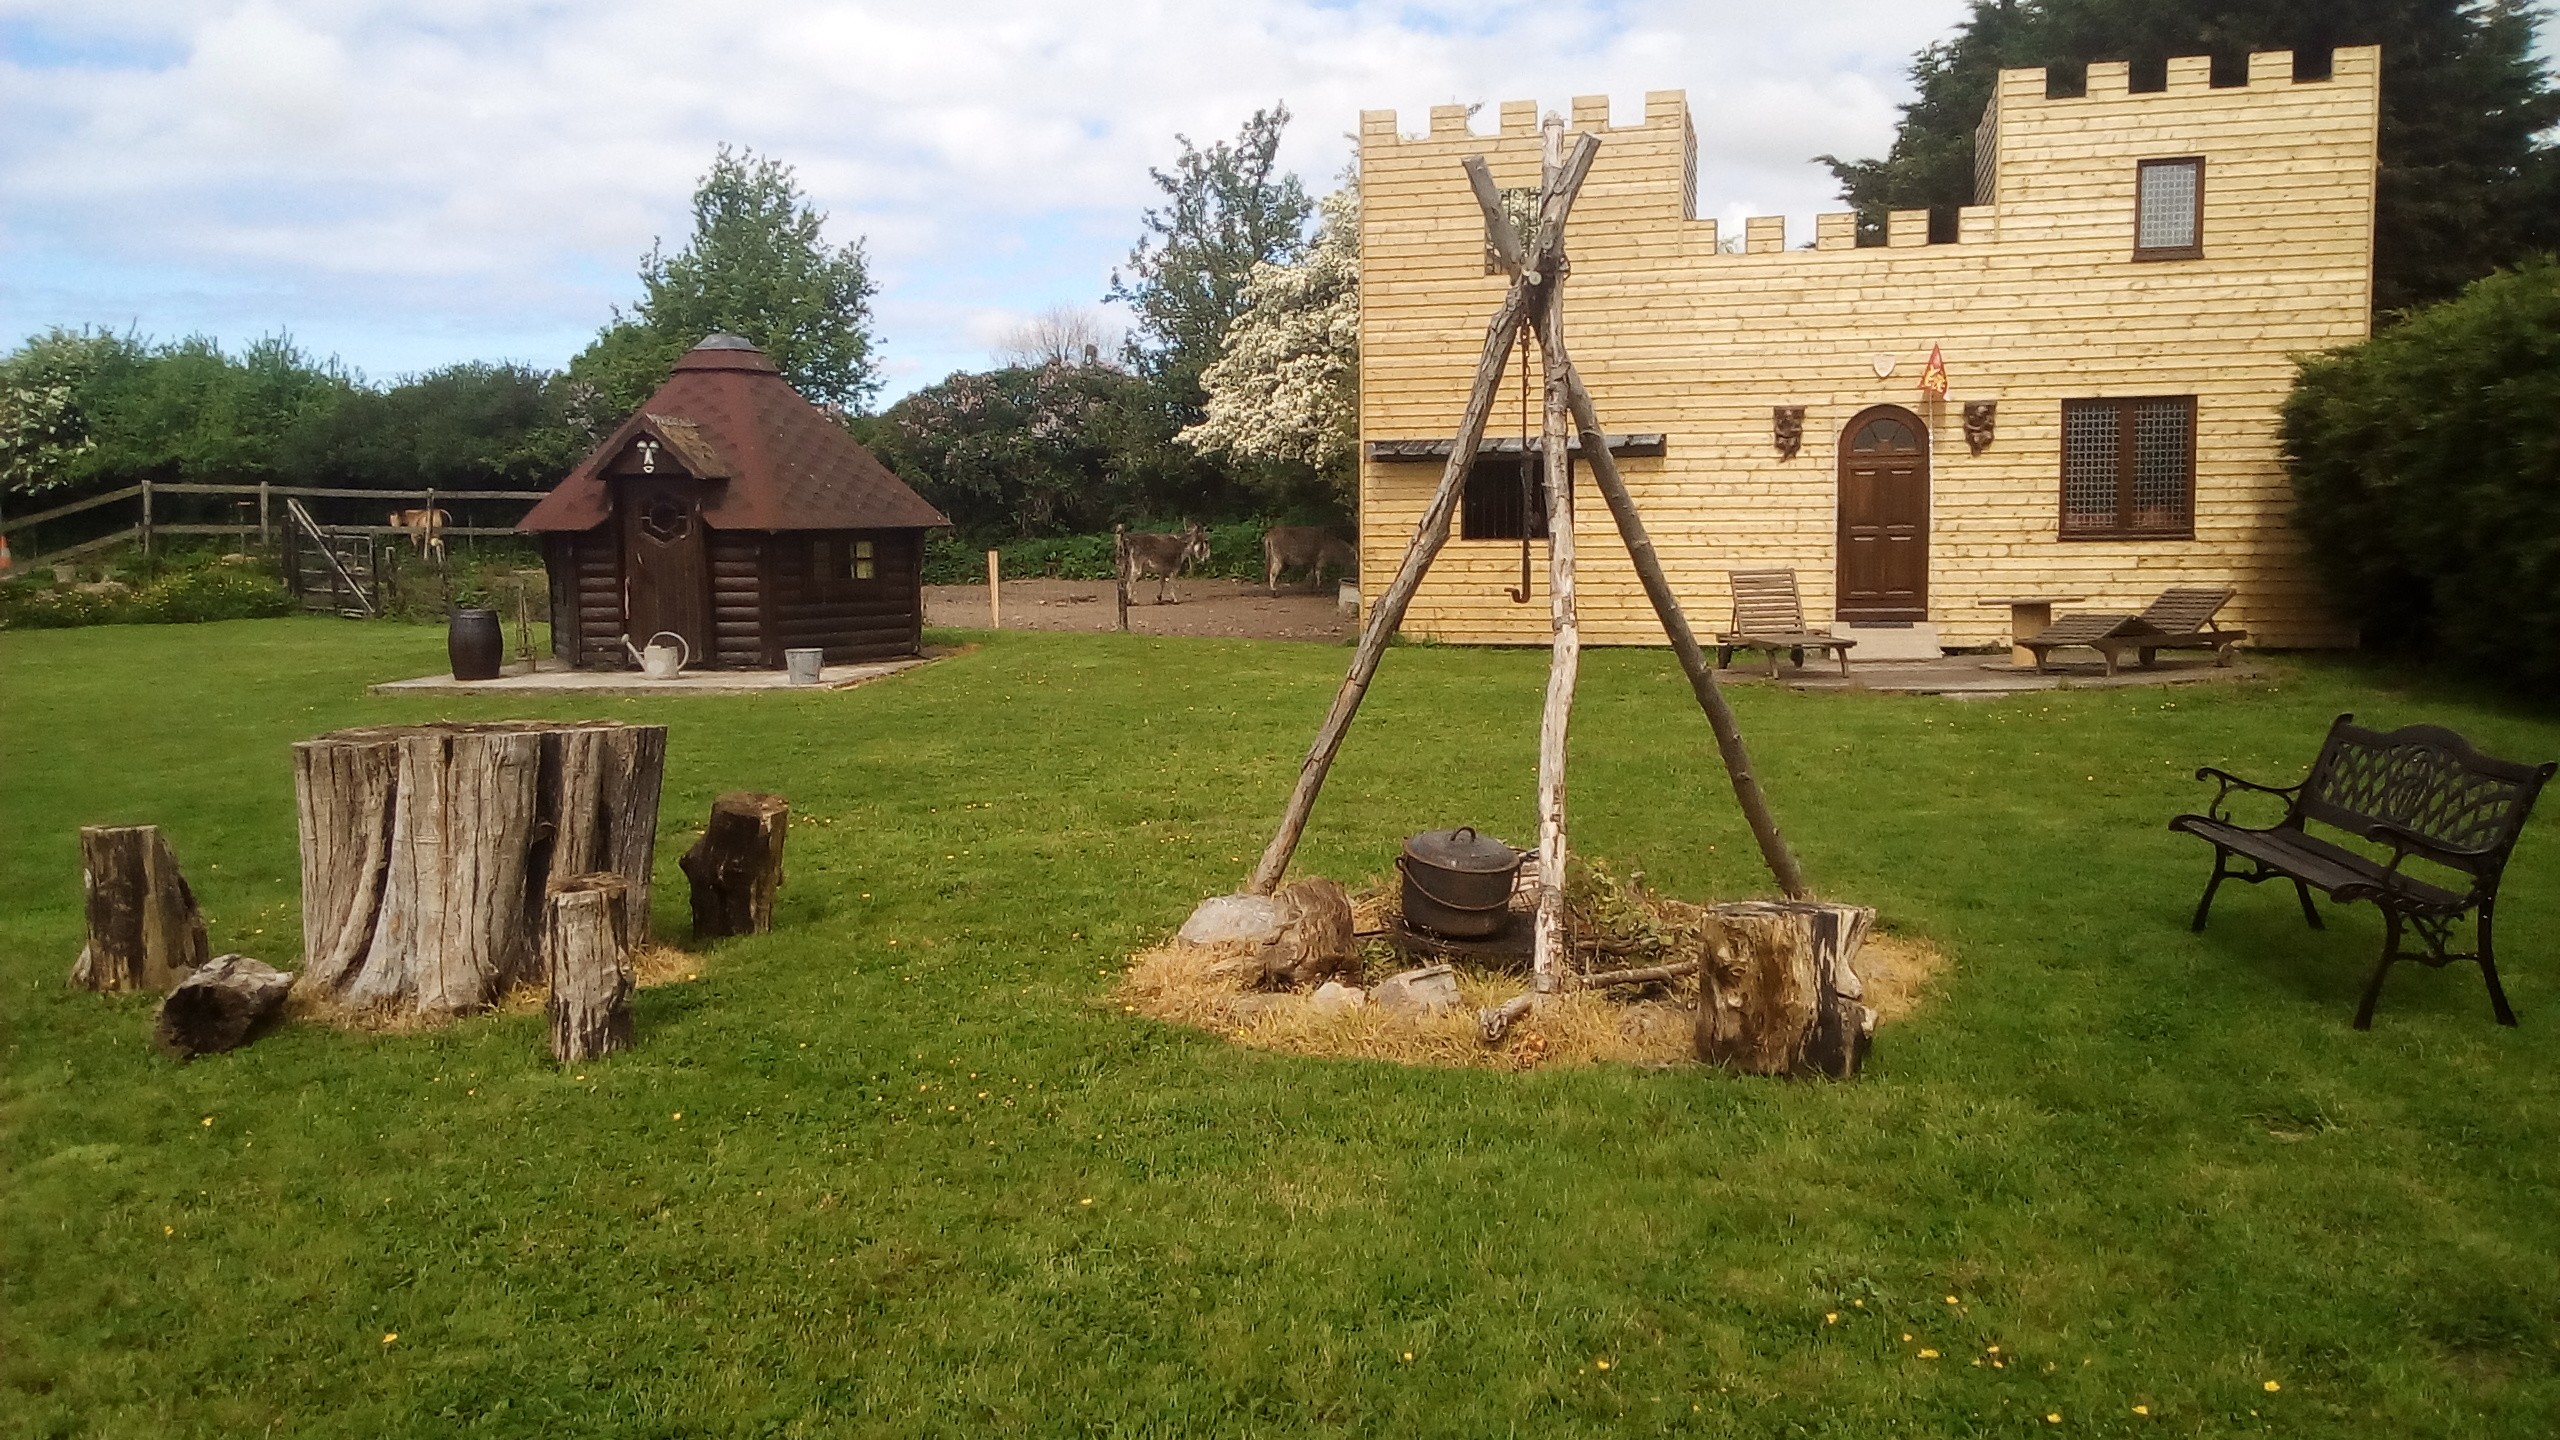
point(1464, 850)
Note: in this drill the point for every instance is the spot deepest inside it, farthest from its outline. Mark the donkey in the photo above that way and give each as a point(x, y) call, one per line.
point(1147, 553)
point(1303, 547)
point(425, 527)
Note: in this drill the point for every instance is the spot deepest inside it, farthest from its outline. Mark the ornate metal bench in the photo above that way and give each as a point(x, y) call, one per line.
point(2420, 791)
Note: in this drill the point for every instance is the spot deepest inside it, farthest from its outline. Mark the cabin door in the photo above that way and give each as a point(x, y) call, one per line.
point(666, 579)
point(1884, 517)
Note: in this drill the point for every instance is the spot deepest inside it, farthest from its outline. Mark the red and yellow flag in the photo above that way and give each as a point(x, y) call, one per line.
point(1933, 376)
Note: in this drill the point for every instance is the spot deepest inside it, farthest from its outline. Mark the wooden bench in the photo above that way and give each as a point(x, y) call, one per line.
point(1768, 615)
point(2421, 792)
point(2181, 619)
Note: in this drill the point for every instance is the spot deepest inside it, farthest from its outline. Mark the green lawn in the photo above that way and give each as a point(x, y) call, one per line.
point(901, 1167)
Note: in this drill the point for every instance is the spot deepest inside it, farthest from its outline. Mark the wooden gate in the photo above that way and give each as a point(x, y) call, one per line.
point(1884, 517)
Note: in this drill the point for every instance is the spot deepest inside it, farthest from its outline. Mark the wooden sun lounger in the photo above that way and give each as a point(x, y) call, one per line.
point(2181, 619)
point(1768, 615)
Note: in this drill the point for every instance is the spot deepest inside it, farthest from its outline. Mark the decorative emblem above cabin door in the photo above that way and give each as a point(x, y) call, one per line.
point(666, 580)
point(1884, 517)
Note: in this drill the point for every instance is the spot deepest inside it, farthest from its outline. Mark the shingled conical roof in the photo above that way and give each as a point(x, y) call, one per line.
point(773, 460)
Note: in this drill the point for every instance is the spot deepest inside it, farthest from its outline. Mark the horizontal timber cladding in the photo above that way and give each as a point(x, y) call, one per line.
point(595, 560)
point(737, 593)
point(856, 594)
point(2038, 302)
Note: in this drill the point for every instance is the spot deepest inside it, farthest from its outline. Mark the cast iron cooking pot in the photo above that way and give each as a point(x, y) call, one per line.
point(1458, 883)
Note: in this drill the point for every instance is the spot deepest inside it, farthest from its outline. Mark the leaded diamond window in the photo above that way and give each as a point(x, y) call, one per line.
point(2169, 210)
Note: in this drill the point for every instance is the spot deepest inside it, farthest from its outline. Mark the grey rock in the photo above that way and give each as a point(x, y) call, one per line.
point(1426, 991)
point(1235, 920)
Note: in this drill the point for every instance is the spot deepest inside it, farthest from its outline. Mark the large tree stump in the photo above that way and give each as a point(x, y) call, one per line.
point(736, 867)
point(426, 851)
point(1777, 990)
point(219, 1007)
point(587, 961)
point(145, 932)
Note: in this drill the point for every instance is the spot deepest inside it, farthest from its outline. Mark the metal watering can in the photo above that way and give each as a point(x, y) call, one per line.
point(661, 662)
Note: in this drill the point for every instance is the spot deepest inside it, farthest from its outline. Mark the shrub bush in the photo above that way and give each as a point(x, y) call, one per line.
point(2426, 467)
point(183, 593)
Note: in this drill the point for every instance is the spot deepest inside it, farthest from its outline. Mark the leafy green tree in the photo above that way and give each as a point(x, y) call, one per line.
point(1227, 209)
point(2427, 465)
point(468, 426)
point(758, 265)
point(2470, 178)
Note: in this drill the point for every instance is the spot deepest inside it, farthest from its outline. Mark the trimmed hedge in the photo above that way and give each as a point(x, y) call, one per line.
point(1235, 553)
point(2426, 464)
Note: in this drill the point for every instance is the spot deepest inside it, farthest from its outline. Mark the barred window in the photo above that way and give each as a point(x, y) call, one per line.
point(2169, 209)
point(1495, 506)
point(2129, 468)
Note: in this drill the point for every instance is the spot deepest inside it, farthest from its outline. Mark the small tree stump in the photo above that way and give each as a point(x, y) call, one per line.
point(1315, 939)
point(427, 851)
point(145, 932)
point(220, 1007)
point(1777, 990)
point(736, 867)
point(587, 960)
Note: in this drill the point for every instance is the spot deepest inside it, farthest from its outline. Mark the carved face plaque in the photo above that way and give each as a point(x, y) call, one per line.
point(1786, 428)
point(664, 521)
point(1978, 423)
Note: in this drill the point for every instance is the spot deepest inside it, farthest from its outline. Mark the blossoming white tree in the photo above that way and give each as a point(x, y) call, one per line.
point(1287, 386)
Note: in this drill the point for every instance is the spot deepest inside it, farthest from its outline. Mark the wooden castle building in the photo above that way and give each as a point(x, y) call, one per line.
point(2115, 321)
point(730, 511)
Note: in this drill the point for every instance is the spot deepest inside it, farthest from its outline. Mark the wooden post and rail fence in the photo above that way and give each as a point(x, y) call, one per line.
point(271, 523)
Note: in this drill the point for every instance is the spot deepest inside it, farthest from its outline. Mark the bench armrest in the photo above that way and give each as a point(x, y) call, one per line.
point(2231, 782)
point(2403, 841)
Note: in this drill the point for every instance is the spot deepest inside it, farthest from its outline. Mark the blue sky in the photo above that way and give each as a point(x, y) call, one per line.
point(409, 184)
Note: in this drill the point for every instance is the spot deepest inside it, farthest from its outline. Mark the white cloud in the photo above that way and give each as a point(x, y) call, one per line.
point(414, 183)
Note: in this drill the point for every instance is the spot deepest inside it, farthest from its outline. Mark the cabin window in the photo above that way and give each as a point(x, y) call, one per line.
point(2129, 468)
point(2169, 210)
point(866, 565)
point(1495, 508)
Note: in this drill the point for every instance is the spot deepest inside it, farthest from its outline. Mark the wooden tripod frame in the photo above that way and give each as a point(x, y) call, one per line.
point(1535, 303)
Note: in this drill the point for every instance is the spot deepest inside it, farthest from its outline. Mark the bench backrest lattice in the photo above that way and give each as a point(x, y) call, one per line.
point(1765, 602)
point(2184, 609)
point(2425, 788)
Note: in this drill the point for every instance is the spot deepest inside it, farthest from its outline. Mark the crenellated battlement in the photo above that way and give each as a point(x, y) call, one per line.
point(2041, 129)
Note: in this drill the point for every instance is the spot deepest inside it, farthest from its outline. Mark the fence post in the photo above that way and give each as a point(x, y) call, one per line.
point(995, 580)
point(146, 517)
point(266, 530)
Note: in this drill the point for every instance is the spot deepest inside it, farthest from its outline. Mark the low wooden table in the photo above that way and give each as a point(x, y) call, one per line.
point(2029, 616)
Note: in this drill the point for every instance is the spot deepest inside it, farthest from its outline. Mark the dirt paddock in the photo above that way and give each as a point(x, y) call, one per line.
point(1237, 609)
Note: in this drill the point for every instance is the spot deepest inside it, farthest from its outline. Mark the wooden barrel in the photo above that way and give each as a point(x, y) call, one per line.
point(475, 644)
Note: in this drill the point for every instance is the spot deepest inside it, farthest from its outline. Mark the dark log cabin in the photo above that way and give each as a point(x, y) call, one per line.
point(732, 512)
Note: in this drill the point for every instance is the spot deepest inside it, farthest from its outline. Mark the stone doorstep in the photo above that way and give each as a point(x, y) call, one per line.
point(1915, 641)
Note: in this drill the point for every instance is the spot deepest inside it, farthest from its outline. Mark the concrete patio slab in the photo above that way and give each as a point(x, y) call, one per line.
point(1990, 675)
point(551, 677)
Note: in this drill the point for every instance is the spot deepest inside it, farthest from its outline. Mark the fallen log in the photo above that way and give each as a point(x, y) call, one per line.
point(587, 963)
point(736, 867)
point(427, 849)
point(145, 932)
point(222, 1006)
point(1650, 974)
point(1778, 993)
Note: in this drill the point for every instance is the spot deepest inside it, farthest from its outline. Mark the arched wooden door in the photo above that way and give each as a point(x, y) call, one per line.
point(1884, 517)
point(666, 578)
